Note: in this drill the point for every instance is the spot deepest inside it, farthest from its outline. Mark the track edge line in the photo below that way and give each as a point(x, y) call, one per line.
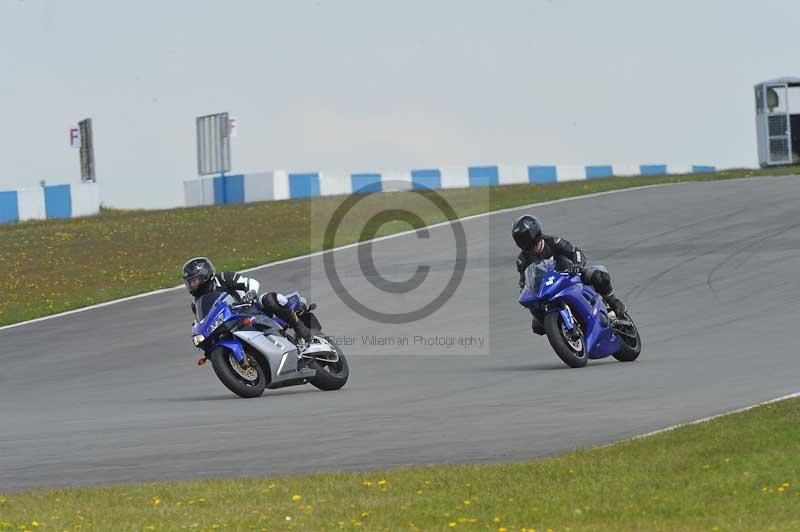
point(700, 420)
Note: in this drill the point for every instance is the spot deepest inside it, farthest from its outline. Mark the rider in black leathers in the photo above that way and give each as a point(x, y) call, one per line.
point(200, 278)
point(536, 247)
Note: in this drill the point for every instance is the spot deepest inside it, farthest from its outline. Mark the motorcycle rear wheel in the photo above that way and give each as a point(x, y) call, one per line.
point(330, 376)
point(571, 350)
point(630, 341)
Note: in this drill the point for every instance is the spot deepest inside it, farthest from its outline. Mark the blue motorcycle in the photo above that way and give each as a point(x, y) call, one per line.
point(251, 351)
point(575, 318)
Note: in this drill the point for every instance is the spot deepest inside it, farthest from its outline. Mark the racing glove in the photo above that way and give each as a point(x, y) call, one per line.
point(230, 281)
point(250, 297)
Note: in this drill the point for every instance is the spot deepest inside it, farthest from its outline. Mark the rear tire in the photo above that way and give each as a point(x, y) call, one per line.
point(630, 341)
point(571, 351)
point(330, 377)
point(249, 383)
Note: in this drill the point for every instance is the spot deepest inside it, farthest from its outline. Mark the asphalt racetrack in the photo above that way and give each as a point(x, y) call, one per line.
point(710, 271)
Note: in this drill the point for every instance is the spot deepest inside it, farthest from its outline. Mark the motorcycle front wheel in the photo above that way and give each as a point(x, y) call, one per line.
point(245, 381)
point(568, 345)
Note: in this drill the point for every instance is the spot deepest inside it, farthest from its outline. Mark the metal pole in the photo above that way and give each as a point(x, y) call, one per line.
point(198, 135)
point(788, 125)
point(221, 157)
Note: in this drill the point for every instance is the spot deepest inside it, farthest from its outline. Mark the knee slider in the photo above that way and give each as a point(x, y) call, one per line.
point(275, 304)
point(270, 302)
point(601, 281)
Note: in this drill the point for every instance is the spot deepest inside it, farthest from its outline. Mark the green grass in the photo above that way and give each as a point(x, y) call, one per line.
point(738, 472)
point(56, 265)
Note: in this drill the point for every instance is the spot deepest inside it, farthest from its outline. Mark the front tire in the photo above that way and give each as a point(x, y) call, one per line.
point(571, 350)
point(245, 382)
point(330, 376)
point(630, 341)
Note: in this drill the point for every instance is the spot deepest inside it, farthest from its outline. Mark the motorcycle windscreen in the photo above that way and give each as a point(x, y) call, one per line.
point(534, 274)
point(205, 303)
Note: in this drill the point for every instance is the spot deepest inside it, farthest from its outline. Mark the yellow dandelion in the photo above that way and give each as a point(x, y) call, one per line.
point(467, 502)
point(502, 529)
point(785, 484)
point(781, 489)
point(367, 483)
point(296, 498)
point(419, 492)
point(452, 524)
point(381, 482)
point(496, 519)
point(35, 524)
point(156, 501)
point(706, 466)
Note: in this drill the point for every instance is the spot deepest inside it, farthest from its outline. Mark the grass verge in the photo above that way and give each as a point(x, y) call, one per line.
point(738, 472)
point(52, 266)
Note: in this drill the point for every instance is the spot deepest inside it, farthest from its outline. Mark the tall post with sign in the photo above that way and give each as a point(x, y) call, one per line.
point(81, 138)
point(87, 151)
point(213, 144)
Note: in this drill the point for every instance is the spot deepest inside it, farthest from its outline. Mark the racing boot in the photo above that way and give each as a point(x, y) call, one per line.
point(303, 331)
point(617, 307)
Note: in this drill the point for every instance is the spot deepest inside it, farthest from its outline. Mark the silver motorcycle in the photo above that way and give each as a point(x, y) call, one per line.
point(251, 351)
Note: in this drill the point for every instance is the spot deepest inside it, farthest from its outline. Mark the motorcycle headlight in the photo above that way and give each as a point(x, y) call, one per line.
point(217, 322)
point(198, 339)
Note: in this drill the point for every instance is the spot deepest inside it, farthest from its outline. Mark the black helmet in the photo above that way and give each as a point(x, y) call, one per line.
point(527, 231)
point(198, 276)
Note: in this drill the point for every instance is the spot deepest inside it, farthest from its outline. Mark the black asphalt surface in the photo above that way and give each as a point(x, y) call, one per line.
point(709, 271)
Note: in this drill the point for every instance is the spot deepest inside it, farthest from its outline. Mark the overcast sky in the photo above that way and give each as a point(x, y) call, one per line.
point(370, 85)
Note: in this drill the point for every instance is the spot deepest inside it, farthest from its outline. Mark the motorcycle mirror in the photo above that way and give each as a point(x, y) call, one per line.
point(312, 306)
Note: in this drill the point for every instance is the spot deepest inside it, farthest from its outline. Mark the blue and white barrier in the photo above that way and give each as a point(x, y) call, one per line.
point(279, 184)
point(51, 201)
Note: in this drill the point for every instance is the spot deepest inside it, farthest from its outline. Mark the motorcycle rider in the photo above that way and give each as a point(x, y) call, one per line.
point(201, 278)
point(536, 247)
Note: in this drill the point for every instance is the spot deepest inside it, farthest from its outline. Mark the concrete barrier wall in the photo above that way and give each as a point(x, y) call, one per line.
point(51, 201)
point(279, 184)
point(85, 199)
point(31, 204)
